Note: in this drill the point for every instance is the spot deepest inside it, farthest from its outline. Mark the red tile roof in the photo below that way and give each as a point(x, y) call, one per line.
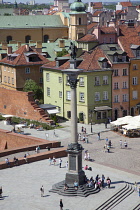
point(97, 5)
point(108, 30)
point(126, 4)
point(21, 57)
point(88, 38)
point(97, 13)
point(90, 26)
point(130, 36)
point(89, 63)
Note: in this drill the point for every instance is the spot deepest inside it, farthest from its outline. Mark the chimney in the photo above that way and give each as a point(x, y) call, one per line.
point(4, 45)
point(12, 42)
point(19, 44)
point(61, 43)
point(31, 41)
point(9, 50)
point(39, 44)
point(27, 47)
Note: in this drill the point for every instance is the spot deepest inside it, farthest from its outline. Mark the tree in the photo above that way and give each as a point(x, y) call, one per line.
point(30, 85)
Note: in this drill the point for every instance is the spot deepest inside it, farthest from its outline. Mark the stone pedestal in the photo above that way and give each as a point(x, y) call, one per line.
point(75, 172)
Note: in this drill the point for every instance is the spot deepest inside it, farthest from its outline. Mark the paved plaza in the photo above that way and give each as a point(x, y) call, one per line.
point(21, 184)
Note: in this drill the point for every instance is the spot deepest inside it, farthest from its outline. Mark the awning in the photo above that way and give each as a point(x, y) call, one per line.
point(102, 108)
point(7, 116)
point(52, 111)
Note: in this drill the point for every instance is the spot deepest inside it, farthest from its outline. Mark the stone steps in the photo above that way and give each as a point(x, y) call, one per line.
point(82, 191)
point(117, 198)
point(136, 206)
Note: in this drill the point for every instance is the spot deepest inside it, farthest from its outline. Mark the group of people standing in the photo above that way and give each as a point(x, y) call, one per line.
point(98, 182)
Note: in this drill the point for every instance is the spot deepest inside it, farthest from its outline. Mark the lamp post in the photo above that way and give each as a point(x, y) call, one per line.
point(90, 115)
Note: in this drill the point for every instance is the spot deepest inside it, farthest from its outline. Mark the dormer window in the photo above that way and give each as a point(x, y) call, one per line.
point(104, 64)
point(137, 53)
point(123, 58)
point(115, 58)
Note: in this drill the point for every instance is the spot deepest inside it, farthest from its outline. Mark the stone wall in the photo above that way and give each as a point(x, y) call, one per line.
point(19, 104)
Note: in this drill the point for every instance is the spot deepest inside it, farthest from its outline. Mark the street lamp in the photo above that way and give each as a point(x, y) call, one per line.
point(90, 115)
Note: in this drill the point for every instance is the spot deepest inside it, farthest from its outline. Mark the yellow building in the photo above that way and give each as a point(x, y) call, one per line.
point(24, 28)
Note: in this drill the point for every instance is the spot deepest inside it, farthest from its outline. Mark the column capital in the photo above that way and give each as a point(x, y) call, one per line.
point(73, 83)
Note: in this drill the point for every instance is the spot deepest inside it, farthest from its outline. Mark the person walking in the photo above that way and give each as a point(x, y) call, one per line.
point(125, 144)
point(108, 181)
point(54, 160)
point(135, 186)
point(50, 161)
point(42, 191)
point(105, 124)
point(61, 204)
point(60, 162)
point(98, 135)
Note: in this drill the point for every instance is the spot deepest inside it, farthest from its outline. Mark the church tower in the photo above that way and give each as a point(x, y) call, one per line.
point(78, 20)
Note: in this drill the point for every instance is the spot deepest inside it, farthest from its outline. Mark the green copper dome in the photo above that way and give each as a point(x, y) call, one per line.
point(78, 6)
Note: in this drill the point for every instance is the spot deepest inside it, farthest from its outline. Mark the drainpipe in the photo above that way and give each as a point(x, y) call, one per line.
point(63, 93)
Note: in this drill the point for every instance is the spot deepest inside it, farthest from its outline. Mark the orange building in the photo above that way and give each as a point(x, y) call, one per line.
point(22, 65)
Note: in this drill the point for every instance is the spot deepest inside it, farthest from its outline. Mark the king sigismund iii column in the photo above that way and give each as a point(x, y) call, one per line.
point(74, 150)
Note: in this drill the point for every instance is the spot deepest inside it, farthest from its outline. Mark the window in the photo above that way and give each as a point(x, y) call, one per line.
point(40, 70)
point(135, 94)
point(97, 96)
point(81, 81)
point(135, 66)
point(27, 70)
point(82, 97)
point(5, 79)
point(116, 72)
point(68, 95)
point(105, 95)
point(105, 80)
point(60, 94)
point(41, 80)
point(67, 80)
point(137, 53)
point(27, 38)
point(4, 68)
point(125, 97)
point(104, 64)
point(104, 115)
point(79, 21)
point(8, 39)
point(98, 115)
point(124, 72)
point(8, 79)
point(68, 114)
point(47, 77)
point(124, 58)
point(48, 91)
point(8, 69)
point(124, 113)
point(97, 80)
point(116, 85)
point(12, 81)
point(27, 78)
point(46, 38)
point(115, 58)
point(60, 79)
point(134, 80)
point(116, 98)
point(124, 85)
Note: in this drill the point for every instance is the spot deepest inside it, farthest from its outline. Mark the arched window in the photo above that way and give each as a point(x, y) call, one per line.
point(79, 21)
point(8, 39)
point(46, 38)
point(27, 38)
